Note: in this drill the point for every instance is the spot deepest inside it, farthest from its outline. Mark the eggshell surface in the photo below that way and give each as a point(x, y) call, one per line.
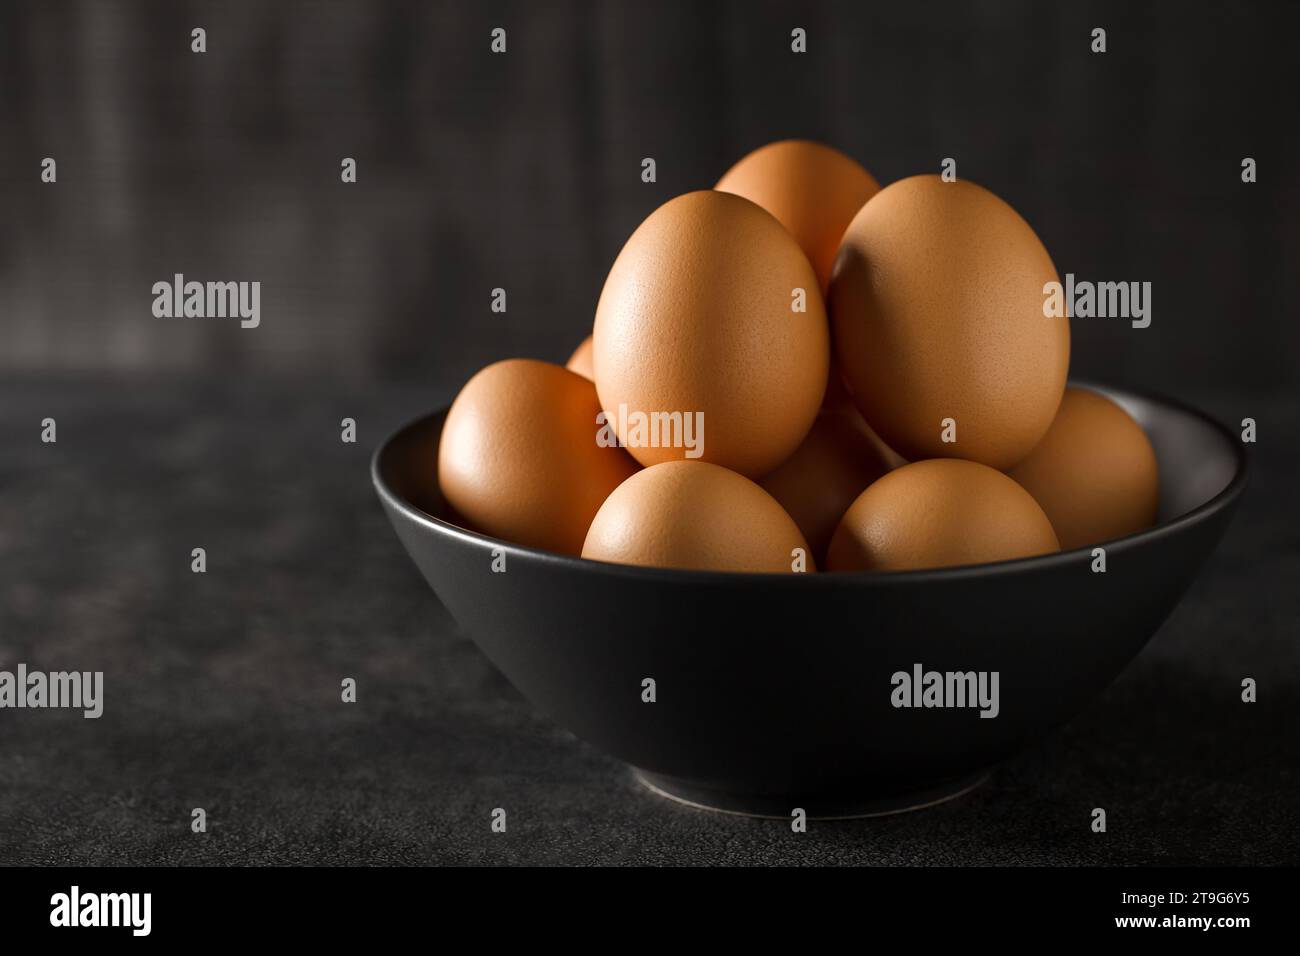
point(830, 468)
point(698, 315)
point(939, 513)
point(812, 189)
point(937, 307)
point(518, 456)
point(693, 515)
point(580, 360)
point(1094, 473)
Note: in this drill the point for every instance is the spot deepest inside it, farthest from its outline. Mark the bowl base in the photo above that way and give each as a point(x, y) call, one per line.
point(821, 807)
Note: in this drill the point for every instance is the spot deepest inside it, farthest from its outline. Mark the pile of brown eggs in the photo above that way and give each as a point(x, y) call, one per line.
point(798, 370)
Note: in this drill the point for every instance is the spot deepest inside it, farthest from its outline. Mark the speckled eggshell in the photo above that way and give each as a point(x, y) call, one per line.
point(693, 515)
point(697, 316)
point(518, 458)
point(939, 513)
point(937, 308)
point(1094, 473)
point(812, 189)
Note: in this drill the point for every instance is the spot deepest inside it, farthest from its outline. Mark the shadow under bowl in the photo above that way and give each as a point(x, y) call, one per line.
point(777, 691)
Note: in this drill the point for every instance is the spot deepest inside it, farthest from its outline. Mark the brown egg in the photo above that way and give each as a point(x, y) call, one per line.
point(939, 513)
point(518, 456)
point(690, 514)
point(1094, 473)
point(892, 458)
point(839, 457)
point(580, 360)
point(698, 318)
point(838, 399)
point(937, 308)
point(837, 394)
point(812, 190)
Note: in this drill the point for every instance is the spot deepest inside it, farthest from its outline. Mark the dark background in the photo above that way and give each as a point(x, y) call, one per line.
point(523, 171)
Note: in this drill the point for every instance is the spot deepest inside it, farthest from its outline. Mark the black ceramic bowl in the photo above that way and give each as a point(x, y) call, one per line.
point(776, 691)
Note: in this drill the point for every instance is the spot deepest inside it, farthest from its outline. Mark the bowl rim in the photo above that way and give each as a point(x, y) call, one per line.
point(1225, 498)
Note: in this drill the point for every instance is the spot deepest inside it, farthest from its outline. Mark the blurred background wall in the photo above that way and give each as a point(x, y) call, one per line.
point(523, 170)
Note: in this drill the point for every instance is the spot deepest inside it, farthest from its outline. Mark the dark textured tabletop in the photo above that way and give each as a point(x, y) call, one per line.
point(222, 689)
